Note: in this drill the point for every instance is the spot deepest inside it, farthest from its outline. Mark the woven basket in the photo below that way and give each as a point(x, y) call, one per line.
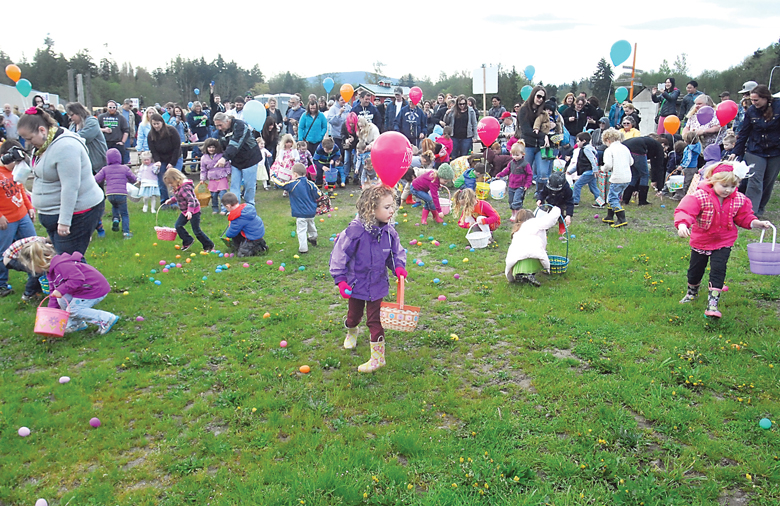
point(204, 196)
point(396, 315)
point(164, 233)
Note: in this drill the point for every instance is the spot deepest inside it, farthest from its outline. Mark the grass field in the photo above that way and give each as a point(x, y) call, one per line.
point(597, 388)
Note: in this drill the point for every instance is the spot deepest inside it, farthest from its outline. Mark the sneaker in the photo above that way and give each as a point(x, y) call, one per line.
point(31, 296)
point(128, 235)
point(82, 326)
point(185, 247)
point(115, 226)
point(576, 204)
point(313, 242)
point(144, 209)
point(5, 291)
point(596, 206)
point(107, 326)
point(101, 232)
point(302, 252)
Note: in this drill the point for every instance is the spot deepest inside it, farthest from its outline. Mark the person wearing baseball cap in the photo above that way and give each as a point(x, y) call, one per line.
point(393, 109)
point(748, 86)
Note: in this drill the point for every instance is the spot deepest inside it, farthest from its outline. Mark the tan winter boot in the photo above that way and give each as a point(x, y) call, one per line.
point(377, 357)
point(351, 340)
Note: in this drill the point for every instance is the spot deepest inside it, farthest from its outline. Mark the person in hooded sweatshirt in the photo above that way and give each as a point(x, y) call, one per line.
point(116, 177)
point(246, 229)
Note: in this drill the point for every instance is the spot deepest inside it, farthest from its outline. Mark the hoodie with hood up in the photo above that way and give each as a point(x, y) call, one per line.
point(69, 275)
point(115, 174)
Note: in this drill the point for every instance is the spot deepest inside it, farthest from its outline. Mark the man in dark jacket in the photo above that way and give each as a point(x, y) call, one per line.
point(689, 99)
point(644, 150)
point(367, 110)
point(411, 122)
point(574, 118)
point(393, 109)
point(241, 150)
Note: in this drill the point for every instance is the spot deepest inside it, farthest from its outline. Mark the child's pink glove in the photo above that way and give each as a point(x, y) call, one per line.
point(345, 289)
point(400, 271)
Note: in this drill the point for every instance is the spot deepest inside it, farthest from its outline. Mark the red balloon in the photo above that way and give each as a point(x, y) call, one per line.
point(726, 111)
point(391, 156)
point(415, 95)
point(488, 130)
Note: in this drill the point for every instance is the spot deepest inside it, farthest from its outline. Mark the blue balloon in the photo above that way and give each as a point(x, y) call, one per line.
point(529, 72)
point(620, 52)
point(197, 91)
point(24, 87)
point(327, 84)
point(254, 114)
point(189, 105)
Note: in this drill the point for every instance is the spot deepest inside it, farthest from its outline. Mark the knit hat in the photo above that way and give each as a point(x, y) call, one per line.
point(445, 172)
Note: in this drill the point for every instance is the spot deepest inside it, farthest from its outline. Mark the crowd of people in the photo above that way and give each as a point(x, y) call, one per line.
point(78, 160)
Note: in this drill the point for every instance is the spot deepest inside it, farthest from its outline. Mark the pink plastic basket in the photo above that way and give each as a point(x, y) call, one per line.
point(164, 233)
point(764, 257)
point(50, 321)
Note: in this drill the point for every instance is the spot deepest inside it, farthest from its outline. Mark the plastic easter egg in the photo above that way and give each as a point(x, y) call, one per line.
point(302, 268)
point(595, 216)
point(283, 264)
point(281, 269)
point(335, 208)
point(328, 215)
point(41, 502)
point(471, 250)
point(351, 195)
point(444, 224)
point(331, 239)
point(436, 243)
point(24, 431)
point(445, 262)
point(165, 270)
point(151, 279)
point(178, 256)
point(430, 238)
point(416, 224)
point(765, 423)
point(573, 236)
point(138, 254)
point(139, 318)
point(283, 344)
point(421, 264)
point(421, 236)
point(221, 255)
point(269, 262)
point(125, 293)
point(305, 369)
point(154, 244)
point(246, 265)
point(227, 266)
point(436, 280)
point(663, 206)
point(442, 298)
point(177, 247)
point(64, 379)
point(192, 254)
point(158, 282)
point(266, 315)
point(296, 257)
point(162, 262)
point(465, 260)
point(620, 247)
point(413, 242)
point(188, 260)
point(456, 276)
point(322, 220)
point(94, 422)
point(452, 246)
point(204, 278)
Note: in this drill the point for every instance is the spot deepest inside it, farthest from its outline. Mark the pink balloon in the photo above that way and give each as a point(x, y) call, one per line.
point(488, 130)
point(726, 111)
point(391, 156)
point(415, 95)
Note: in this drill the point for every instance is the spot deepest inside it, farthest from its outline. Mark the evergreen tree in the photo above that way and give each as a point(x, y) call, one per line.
point(601, 80)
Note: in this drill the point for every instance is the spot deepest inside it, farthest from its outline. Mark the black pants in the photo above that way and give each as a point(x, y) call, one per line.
point(718, 260)
point(248, 248)
point(81, 228)
point(186, 238)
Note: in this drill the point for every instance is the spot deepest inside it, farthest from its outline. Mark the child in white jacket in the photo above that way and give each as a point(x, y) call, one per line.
point(529, 242)
point(618, 161)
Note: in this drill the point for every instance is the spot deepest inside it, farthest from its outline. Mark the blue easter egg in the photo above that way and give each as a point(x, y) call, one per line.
point(421, 236)
point(573, 236)
point(663, 206)
point(151, 279)
point(444, 262)
point(436, 280)
point(158, 282)
point(444, 224)
point(765, 423)
point(204, 278)
point(217, 271)
point(471, 250)
point(430, 238)
point(452, 246)
point(221, 255)
point(302, 268)
point(331, 239)
point(284, 264)
point(333, 235)
point(421, 264)
point(154, 271)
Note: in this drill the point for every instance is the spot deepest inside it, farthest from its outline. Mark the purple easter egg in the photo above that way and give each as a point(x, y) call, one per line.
point(94, 422)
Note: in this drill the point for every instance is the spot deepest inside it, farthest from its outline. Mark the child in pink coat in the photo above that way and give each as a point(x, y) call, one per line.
point(710, 217)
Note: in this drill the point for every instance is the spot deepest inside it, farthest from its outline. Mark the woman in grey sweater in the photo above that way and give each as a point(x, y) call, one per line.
point(68, 200)
point(88, 128)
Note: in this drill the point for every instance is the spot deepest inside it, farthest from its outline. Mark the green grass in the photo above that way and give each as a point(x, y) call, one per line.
point(597, 388)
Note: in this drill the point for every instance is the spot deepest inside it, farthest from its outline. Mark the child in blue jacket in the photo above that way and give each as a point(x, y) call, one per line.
point(246, 229)
point(327, 161)
point(303, 204)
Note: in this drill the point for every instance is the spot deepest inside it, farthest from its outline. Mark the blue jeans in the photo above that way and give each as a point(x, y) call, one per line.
point(460, 147)
point(186, 238)
point(516, 197)
point(15, 231)
point(349, 164)
point(614, 197)
point(247, 176)
point(540, 166)
point(426, 199)
point(162, 186)
point(640, 176)
point(81, 228)
point(586, 178)
point(81, 311)
point(216, 198)
point(126, 154)
point(119, 210)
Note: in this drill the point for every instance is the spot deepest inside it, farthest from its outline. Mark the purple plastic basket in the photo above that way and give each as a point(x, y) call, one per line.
point(764, 257)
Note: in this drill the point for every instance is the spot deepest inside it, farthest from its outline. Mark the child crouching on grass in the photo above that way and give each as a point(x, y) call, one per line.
point(246, 229)
point(710, 216)
point(470, 210)
point(361, 256)
point(75, 285)
point(528, 251)
point(184, 195)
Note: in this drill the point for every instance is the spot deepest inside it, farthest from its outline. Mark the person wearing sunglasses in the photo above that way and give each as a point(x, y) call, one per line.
point(534, 140)
point(463, 121)
point(114, 127)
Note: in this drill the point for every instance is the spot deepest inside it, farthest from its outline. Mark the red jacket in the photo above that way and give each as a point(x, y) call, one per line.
point(14, 202)
point(713, 226)
point(492, 219)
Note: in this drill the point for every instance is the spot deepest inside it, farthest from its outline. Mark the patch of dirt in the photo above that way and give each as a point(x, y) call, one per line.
point(734, 497)
point(283, 437)
point(402, 460)
point(216, 429)
point(563, 354)
point(144, 484)
point(188, 406)
point(133, 463)
point(725, 462)
point(28, 370)
point(448, 422)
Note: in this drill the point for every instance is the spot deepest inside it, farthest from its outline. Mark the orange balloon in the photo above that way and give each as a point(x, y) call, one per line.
point(672, 124)
point(347, 91)
point(13, 72)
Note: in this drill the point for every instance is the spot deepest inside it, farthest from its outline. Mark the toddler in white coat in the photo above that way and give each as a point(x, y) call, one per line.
point(529, 242)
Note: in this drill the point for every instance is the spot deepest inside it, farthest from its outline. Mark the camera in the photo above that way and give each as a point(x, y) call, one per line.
point(16, 154)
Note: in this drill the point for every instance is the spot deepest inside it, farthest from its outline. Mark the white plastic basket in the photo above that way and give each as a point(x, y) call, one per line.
point(497, 189)
point(479, 238)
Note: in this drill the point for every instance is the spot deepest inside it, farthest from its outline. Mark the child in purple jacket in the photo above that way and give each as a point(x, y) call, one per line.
point(75, 285)
point(116, 177)
point(520, 178)
point(361, 256)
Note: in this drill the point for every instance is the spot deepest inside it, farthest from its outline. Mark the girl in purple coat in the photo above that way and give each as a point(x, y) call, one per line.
point(361, 256)
point(75, 285)
point(215, 177)
point(116, 176)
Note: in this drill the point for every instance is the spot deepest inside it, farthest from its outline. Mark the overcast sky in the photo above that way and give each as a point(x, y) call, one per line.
point(563, 40)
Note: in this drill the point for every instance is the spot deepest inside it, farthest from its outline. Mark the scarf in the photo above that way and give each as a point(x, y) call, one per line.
point(50, 137)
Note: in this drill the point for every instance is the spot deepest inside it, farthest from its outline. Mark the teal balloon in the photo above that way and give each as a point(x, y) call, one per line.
point(254, 114)
point(621, 94)
point(327, 84)
point(525, 91)
point(529, 72)
point(620, 52)
point(24, 87)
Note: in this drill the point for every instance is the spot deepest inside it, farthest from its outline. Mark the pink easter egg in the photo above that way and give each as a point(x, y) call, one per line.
point(178, 266)
point(442, 298)
point(165, 270)
point(64, 379)
point(162, 262)
point(596, 216)
point(620, 247)
point(24, 431)
point(457, 276)
point(94, 422)
point(139, 318)
point(281, 269)
point(246, 265)
point(41, 502)
point(269, 262)
point(283, 344)
point(416, 224)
